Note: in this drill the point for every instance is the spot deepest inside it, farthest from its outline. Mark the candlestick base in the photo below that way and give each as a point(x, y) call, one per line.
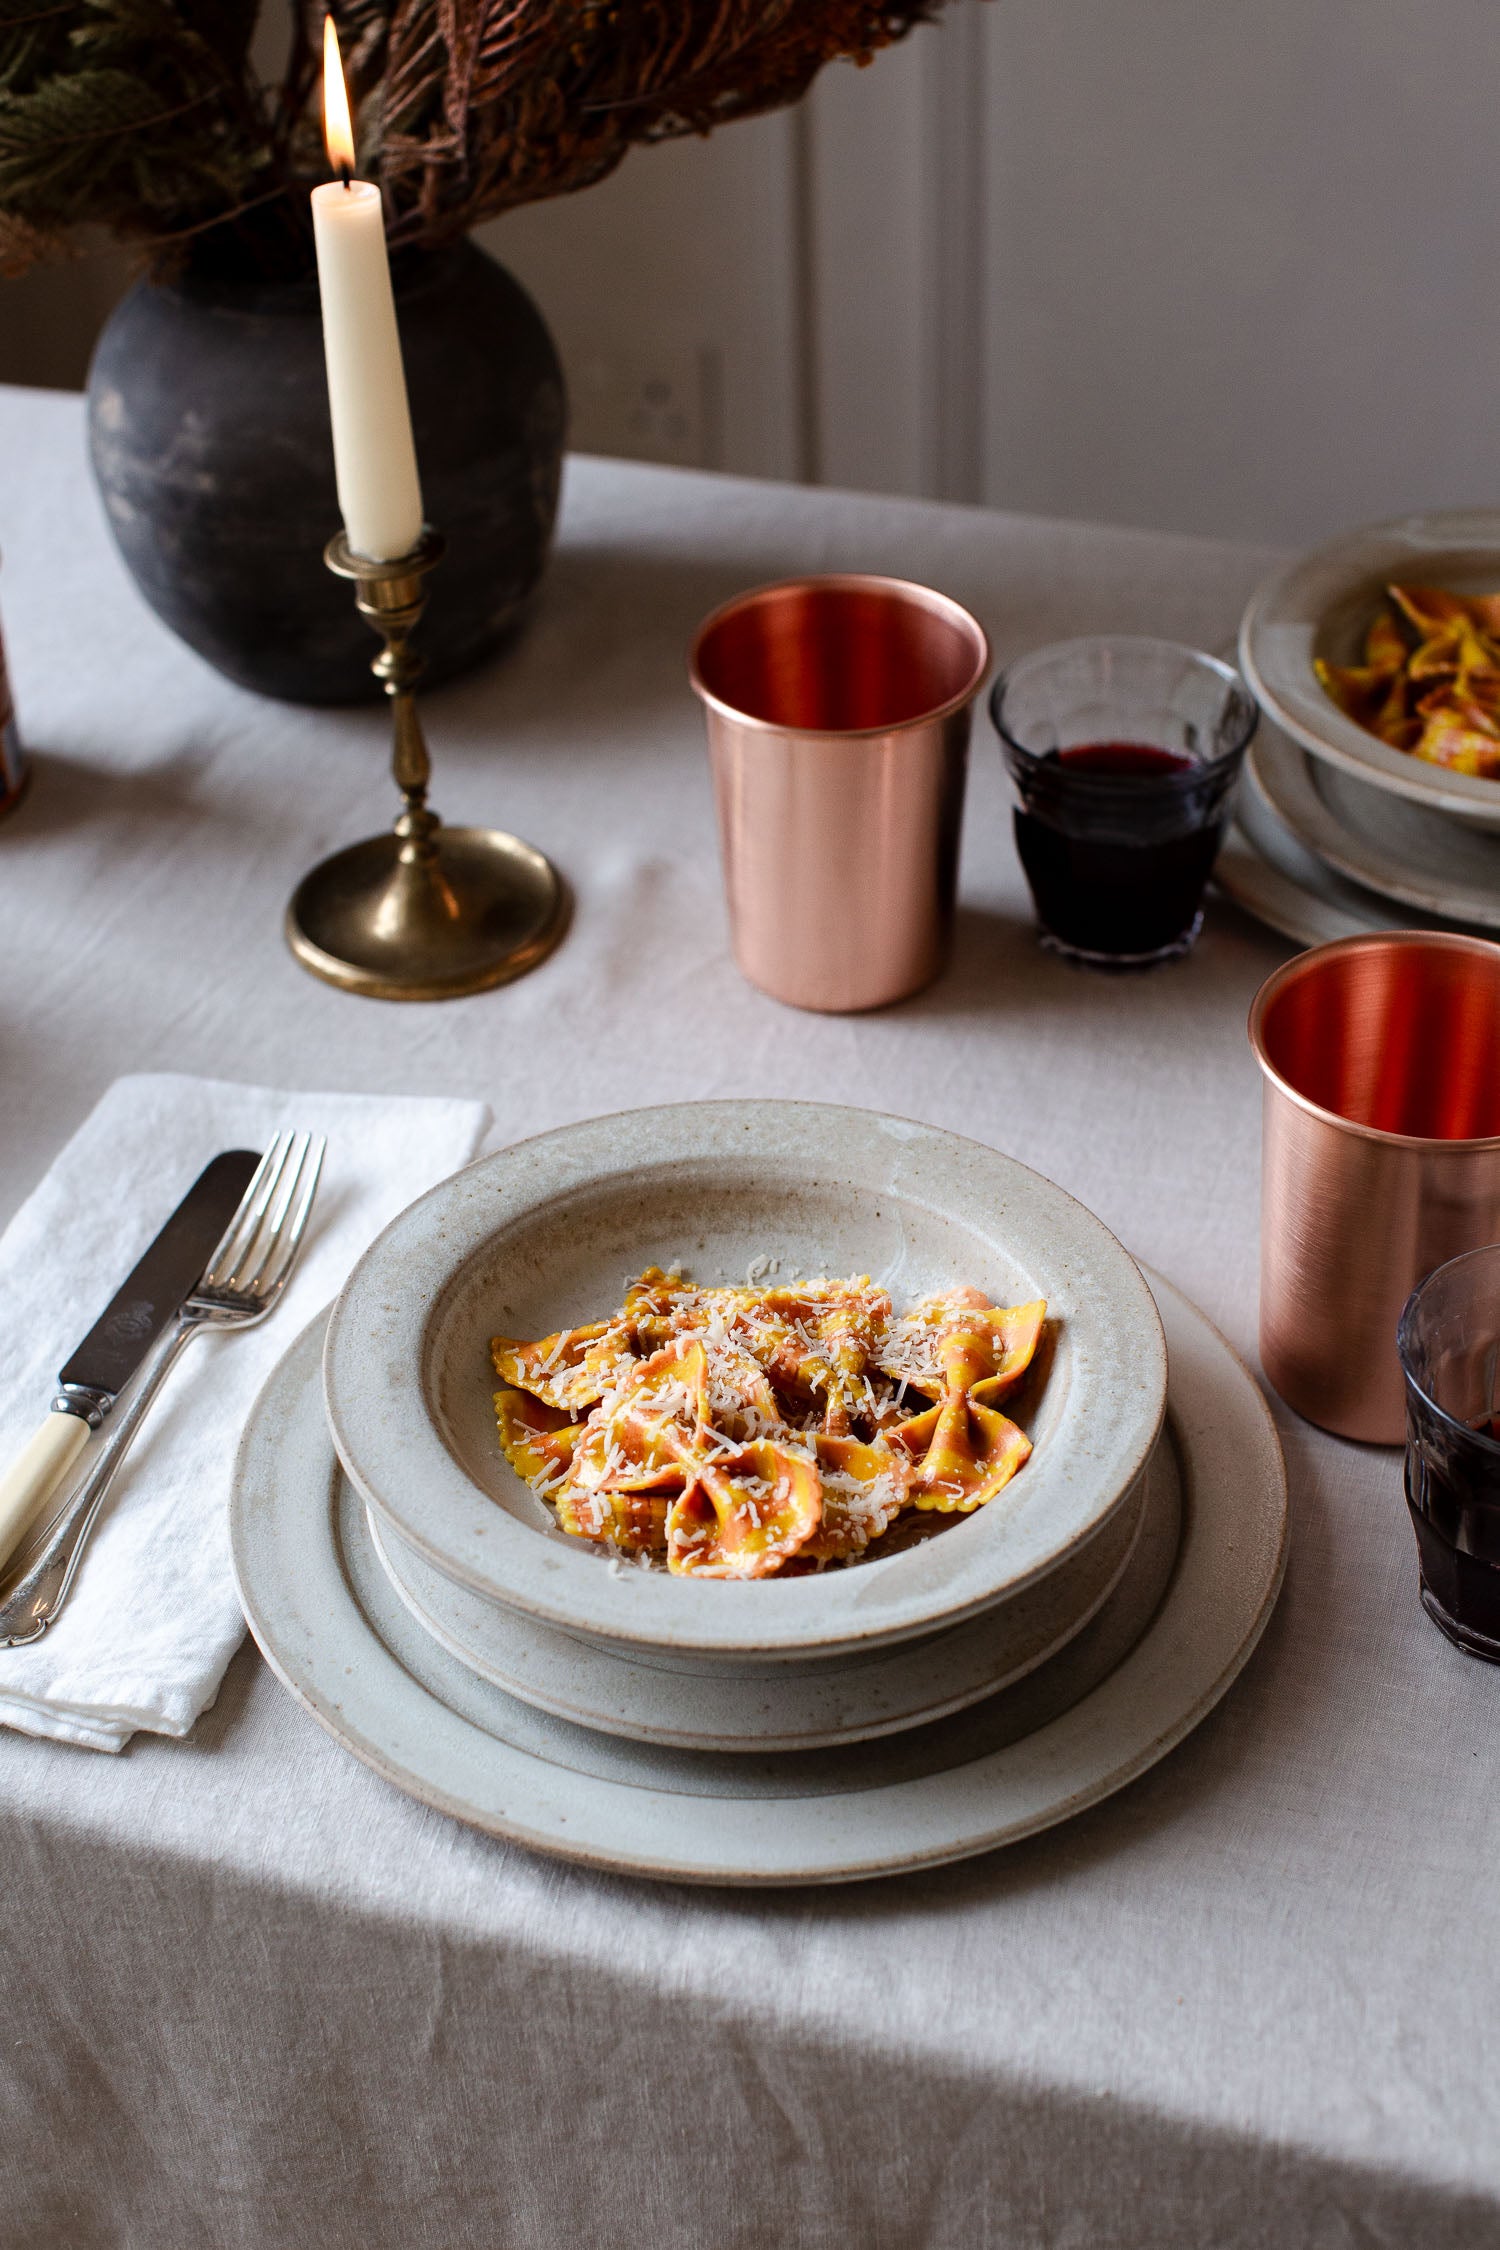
point(426, 912)
point(398, 918)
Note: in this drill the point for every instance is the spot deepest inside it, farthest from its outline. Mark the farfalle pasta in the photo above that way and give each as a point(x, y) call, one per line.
point(1429, 682)
point(759, 1431)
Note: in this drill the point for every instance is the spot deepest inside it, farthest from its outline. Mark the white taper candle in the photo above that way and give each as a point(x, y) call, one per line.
point(374, 456)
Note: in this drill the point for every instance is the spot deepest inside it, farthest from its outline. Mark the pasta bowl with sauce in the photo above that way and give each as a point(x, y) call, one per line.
point(545, 1235)
point(1320, 606)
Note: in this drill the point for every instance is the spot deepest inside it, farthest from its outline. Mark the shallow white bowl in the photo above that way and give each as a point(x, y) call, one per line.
point(1116, 1698)
point(1405, 851)
point(754, 1706)
point(1321, 604)
point(547, 1233)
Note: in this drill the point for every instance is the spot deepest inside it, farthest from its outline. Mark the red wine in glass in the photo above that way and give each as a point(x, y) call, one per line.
point(1132, 758)
point(1453, 1491)
point(1118, 840)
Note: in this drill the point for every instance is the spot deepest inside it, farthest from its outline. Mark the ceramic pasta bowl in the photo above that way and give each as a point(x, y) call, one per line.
point(546, 1234)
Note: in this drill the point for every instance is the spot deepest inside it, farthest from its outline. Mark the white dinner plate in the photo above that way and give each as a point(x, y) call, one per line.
point(1265, 870)
point(777, 1706)
point(1267, 892)
point(1115, 1700)
point(1405, 851)
point(546, 1234)
point(1321, 605)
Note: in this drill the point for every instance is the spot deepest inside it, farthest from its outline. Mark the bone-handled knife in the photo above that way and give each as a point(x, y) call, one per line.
point(119, 1340)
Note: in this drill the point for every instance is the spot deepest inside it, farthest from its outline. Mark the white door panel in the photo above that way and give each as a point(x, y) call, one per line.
point(1241, 260)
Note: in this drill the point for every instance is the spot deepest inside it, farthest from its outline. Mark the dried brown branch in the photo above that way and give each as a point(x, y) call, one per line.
point(474, 106)
point(465, 108)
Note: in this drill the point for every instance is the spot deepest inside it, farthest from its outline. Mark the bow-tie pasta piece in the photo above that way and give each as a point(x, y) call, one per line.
point(628, 1463)
point(537, 1440)
point(990, 1351)
point(964, 1454)
point(571, 1369)
point(864, 1491)
point(850, 1332)
point(1433, 611)
point(746, 1504)
point(1375, 697)
point(812, 1340)
point(659, 1306)
point(749, 1431)
point(1430, 680)
point(956, 1338)
point(1462, 737)
point(743, 1518)
point(630, 1517)
point(965, 1449)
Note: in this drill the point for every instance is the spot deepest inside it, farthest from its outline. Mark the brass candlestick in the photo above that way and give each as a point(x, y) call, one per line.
point(425, 912)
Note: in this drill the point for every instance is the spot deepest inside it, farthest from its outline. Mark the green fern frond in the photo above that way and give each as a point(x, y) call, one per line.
point(134, 114)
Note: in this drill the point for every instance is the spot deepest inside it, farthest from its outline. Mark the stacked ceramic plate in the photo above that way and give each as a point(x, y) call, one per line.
point(907, 1708)
point(1338, 832)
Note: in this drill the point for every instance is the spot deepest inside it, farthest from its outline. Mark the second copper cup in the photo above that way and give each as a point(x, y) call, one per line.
point(1380, 1157)
point(838, 725)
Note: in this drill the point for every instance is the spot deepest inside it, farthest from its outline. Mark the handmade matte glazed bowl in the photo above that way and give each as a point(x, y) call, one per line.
point(753, 1705)
point(1321, 604)
point(547, 1234)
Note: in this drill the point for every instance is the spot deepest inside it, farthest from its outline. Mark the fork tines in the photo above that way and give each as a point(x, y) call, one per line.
point(263, 1237)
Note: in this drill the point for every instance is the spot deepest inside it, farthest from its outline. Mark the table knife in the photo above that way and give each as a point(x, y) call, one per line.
point(119, 1340)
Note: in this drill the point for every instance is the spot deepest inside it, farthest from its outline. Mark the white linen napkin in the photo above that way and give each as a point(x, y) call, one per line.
point(152, 1620)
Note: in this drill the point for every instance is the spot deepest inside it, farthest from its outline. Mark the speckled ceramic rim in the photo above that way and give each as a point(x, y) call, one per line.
point(1288, 613)
point(1284, 774)
point(378, 1379)
point(777, 1706)
point(295, 1587)
point(1268, 874)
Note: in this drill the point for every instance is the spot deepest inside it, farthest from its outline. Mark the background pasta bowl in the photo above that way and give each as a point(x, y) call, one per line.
point(546, 1234)
point(1322, 604)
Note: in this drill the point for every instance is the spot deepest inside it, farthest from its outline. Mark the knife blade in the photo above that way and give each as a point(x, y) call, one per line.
point(164, 1275)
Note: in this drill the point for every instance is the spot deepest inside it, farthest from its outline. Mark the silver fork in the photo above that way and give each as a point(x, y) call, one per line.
point(241, 1284)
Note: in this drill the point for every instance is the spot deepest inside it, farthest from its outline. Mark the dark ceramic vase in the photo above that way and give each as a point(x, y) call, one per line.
point(208, 425)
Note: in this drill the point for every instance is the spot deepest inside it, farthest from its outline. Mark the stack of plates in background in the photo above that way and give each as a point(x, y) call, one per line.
point(424, 1605)
point(1336, 832)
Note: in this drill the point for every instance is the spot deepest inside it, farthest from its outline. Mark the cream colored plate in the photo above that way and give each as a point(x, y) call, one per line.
point(1405, 851)
point(1321, 605)
point(1265, 870)
point(1112, 1703)
point(652, 1698)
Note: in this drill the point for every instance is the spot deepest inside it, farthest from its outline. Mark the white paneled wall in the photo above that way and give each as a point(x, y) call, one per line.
point(1241, 261)
point(894, 217)
point(1220, 268)
point(817, 265)
point(680, 273)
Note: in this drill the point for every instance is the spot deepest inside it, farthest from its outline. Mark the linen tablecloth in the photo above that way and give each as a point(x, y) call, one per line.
point(255, 1997)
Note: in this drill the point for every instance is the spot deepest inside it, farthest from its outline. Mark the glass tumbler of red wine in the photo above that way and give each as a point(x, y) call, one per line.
point(1124, 753)
point(1449, 1342)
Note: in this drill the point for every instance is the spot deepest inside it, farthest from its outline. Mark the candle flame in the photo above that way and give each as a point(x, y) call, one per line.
point(338, 127)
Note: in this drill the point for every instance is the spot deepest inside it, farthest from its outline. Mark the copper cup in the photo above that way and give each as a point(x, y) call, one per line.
point(838, 731)
point(1380, 1157)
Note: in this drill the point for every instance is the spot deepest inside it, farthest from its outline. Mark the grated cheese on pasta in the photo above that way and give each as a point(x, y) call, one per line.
point(769, 1428)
